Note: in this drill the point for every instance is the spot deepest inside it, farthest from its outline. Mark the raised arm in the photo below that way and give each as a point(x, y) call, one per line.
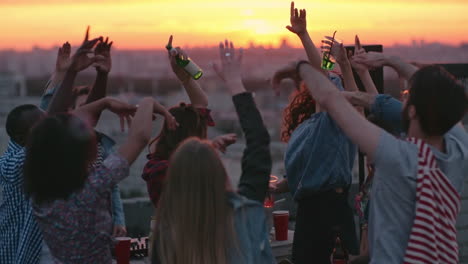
point(256, 160)
point(382, 106)
point(299, 27)
point(61, 66)
point(92, 111)
point(103, 68)
point(339, 52)
point(140, 131)
point(377, 59)
point(362, 70)
point(63, 98)
point(356, 127)
point(194, 91)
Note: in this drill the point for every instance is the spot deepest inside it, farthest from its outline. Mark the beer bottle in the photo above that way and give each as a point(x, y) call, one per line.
point(187, 64)
point(340, 255)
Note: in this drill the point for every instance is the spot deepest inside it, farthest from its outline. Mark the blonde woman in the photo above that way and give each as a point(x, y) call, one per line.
point(200, 217)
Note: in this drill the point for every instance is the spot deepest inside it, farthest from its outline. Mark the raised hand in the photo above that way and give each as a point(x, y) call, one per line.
point(337, 50)
point(80, 59)
point(171, 122)
point(358, 50)
point(181, 74)
point(371, 59)
point(298, 21)
point(103, 49)
point(123, 110)
point(63, 58)
point(288, 72)
point(230, 70)
point(222, 142)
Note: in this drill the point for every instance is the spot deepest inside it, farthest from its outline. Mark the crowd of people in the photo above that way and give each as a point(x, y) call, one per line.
point(61, 202)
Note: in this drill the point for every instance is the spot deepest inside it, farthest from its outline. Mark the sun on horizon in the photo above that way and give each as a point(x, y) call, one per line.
point(147, 24)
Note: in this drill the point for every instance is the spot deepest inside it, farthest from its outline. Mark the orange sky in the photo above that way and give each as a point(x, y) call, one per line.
point(146, 24)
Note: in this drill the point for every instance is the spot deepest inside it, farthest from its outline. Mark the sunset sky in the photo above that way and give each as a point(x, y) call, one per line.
point(144, 24)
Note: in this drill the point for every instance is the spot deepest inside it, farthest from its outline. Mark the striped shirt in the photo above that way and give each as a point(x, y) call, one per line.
point(433, 237)
point(20, 237)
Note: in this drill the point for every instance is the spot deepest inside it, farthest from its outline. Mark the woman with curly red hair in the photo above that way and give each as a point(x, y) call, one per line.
point(319, 158)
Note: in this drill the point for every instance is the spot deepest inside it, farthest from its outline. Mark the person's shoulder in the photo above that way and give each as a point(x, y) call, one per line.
point(458, 135)
point(13, 153)
point(393, 153)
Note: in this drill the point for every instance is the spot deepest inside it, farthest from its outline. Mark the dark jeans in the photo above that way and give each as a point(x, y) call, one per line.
point(319, 219)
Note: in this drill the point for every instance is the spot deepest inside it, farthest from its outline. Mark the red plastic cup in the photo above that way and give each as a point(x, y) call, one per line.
point(281, 220)
point(122, 250)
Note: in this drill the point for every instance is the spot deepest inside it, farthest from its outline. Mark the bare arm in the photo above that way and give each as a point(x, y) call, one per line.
point(140, 131)
point(102, 68)
point(61, 66)
point(377, 59)
point(91, 112)
point(196, 94)
point(63, 98)
point(299, 27)
point(312, 53)
point(356, 127)
point(358, 98)
point(362, 70)
point(404, 69)
point(99, 89)
point(339, 52)
point(194, 91)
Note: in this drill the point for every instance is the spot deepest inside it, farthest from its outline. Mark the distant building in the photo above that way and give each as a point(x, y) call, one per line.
point(12, 84)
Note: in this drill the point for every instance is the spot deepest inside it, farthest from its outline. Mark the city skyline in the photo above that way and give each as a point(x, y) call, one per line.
point(146, 24)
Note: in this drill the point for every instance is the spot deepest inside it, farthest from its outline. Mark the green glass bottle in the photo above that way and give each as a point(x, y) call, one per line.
point(188, 65)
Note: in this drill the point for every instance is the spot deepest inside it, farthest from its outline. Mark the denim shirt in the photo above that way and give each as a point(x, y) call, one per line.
point(251, 232)
point(319, 156)
point(108, 145)
point(388, 109)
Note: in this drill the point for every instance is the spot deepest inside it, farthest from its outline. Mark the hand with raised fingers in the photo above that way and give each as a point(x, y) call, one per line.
point(80, 59)
point(230, 69)
point(222, 142)
point(63, 58)
point(103, 49)
point(298, 21)
point(287, 72)
point(336, 48)
point(170, 120)
point(181, 74)
point(125, 111)
point(358, 50)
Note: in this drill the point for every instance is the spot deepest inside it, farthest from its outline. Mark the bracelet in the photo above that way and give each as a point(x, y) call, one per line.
point(298, 66)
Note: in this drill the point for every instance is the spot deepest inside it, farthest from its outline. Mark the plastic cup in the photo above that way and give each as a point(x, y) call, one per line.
point(281, 220)
point(328, 61)
point(122, 250)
